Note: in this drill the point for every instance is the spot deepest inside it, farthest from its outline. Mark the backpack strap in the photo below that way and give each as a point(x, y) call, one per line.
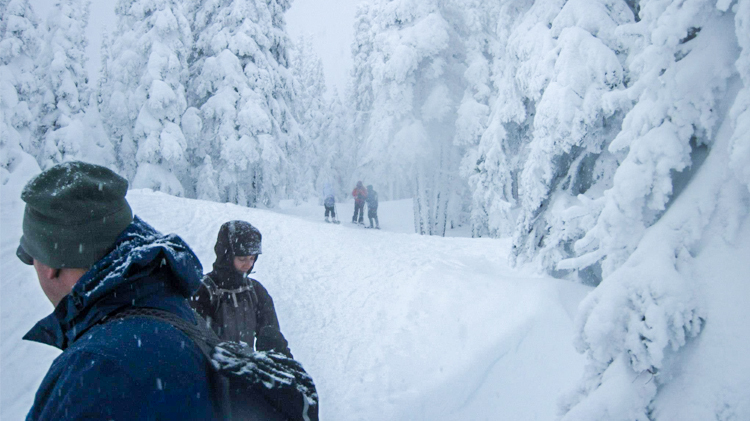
point(254, 297)
point(216, 293)
point(203, 337)
point(212, 294)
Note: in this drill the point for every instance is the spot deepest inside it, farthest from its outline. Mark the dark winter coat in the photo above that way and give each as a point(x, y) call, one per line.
point(236, 307)
point(129, 369)
point(360, 194)
point(372, 199)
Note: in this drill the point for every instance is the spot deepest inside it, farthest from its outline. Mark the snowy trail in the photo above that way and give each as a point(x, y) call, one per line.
point(392, 325)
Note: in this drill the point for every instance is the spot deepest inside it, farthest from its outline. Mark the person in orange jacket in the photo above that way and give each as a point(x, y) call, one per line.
point(360, 196)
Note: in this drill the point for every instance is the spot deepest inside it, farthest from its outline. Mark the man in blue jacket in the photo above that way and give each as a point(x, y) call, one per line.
point(94, 259)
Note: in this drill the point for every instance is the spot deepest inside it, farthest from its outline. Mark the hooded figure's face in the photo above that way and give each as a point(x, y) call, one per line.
point(238, 243)
point(244, 264)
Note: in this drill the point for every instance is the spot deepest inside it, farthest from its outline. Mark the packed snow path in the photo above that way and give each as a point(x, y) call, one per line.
point(392, 325)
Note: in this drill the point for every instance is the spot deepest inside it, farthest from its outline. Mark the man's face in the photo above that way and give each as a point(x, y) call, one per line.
point(243, 264)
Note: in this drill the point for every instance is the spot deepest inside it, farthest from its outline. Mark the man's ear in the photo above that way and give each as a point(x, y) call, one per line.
point(48, 272)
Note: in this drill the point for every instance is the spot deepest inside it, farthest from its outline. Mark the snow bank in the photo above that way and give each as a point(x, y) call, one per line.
point(391, 325)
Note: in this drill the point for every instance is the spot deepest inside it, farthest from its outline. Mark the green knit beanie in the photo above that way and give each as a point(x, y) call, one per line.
point(74, 213)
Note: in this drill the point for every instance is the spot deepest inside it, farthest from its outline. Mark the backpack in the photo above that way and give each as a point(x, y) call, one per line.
point(250, 385)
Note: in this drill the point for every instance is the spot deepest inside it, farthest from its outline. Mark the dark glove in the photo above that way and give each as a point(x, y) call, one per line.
point(271, 339)
point(281, 381)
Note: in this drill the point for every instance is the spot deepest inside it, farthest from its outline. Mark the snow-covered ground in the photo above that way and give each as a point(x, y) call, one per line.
point(392, 325)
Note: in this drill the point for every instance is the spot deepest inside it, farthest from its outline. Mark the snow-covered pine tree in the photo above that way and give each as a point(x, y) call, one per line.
point(482, 166)
point(19, 87)
point(493, 157)
point(205, 188)
point(337, 153)
point(143, 94)
point(310, 107)
point(324, 121)
point(65, 132)
point(551, 127)
point(740, 112)
point(243, 87)
point(359, 91)
point(416, 60)
point(680, 181)
point(677, 115)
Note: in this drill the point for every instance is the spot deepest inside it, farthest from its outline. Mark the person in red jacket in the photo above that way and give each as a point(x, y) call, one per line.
point(360, 195)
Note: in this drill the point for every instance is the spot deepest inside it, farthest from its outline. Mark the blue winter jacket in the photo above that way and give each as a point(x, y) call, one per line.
point(133, 368)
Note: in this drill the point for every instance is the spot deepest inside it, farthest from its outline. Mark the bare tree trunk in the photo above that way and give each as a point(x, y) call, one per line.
point(417, 204)
point(432, 195)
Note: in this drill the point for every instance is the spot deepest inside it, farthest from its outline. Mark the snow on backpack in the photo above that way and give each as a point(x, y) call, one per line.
point(251, 385)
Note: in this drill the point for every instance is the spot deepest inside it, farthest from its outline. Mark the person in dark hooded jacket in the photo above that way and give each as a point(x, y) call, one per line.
point(94, 259)
point(237, 307)
point(372, 206)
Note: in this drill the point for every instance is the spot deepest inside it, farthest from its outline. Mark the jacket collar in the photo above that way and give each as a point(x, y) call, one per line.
point(145, 269)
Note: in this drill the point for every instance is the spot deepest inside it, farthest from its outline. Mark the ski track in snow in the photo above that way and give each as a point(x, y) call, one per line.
point(390, 324)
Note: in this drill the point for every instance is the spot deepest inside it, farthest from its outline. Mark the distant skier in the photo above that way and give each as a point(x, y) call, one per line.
point(329, 202)
point(236, 307)
point(360, 195)
point(372, 206)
